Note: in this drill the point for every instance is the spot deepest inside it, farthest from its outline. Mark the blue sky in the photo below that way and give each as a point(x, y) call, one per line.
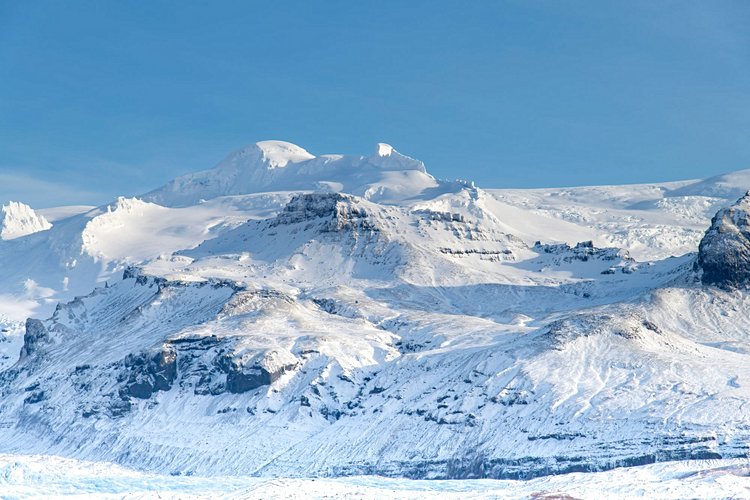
point(104, 98)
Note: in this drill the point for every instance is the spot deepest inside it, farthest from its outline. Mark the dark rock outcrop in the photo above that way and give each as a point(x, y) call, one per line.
point(149, 373)
point(583, 252)
point(724, 251)
point(342, 212)
point(239, 381)
point(35, 335)
point(244, 377)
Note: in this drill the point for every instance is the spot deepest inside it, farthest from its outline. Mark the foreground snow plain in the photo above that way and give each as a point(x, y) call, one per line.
point(286, 315)
point(35, 476)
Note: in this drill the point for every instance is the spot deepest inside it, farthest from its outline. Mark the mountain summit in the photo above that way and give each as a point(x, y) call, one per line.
point(282, 166)
point(388, 158)
point(276, 153)
point(262, 156)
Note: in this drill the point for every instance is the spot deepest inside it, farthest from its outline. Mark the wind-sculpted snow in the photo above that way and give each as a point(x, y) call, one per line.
point(348, 323)
point(18, 219)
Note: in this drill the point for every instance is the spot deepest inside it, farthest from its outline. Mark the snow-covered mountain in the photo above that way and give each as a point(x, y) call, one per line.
point(385, 176)
point(288, 314)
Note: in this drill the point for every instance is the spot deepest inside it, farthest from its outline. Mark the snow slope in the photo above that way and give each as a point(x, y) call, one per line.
point(334, 316)
point(652, 221)
point(84, 250)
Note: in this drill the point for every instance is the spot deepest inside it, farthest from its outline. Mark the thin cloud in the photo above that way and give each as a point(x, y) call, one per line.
point(40, 193)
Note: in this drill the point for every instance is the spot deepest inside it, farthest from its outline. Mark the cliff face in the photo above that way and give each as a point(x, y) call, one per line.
point(724, 252)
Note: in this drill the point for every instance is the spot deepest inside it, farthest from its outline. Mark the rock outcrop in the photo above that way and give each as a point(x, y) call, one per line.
point(724, 252)
point(35, 334)
point(150, 373)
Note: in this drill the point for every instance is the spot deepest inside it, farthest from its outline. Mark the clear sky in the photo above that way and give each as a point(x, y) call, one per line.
point(104, 98)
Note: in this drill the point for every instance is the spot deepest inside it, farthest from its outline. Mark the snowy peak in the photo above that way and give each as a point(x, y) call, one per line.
point(274, 166)
point(262, 166)
point(18, 219)
point(280, 153)
point(387, 158)
point(384, 149)
point(265, 155)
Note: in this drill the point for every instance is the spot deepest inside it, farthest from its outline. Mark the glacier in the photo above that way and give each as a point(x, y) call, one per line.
point(287, 315)
point(35, 476)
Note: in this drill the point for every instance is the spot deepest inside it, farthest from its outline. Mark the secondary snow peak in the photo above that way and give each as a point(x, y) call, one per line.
point(18, 219)
point(384, 149)
point(387, 158)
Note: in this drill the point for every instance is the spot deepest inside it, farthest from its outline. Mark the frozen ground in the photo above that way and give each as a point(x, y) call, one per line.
point(36, 476)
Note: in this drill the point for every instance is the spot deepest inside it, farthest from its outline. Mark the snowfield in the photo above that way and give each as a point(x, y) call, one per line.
point(285, 315)
point(35, 476)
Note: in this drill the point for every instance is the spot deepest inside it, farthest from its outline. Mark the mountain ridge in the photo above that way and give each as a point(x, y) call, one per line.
point(282, 166)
